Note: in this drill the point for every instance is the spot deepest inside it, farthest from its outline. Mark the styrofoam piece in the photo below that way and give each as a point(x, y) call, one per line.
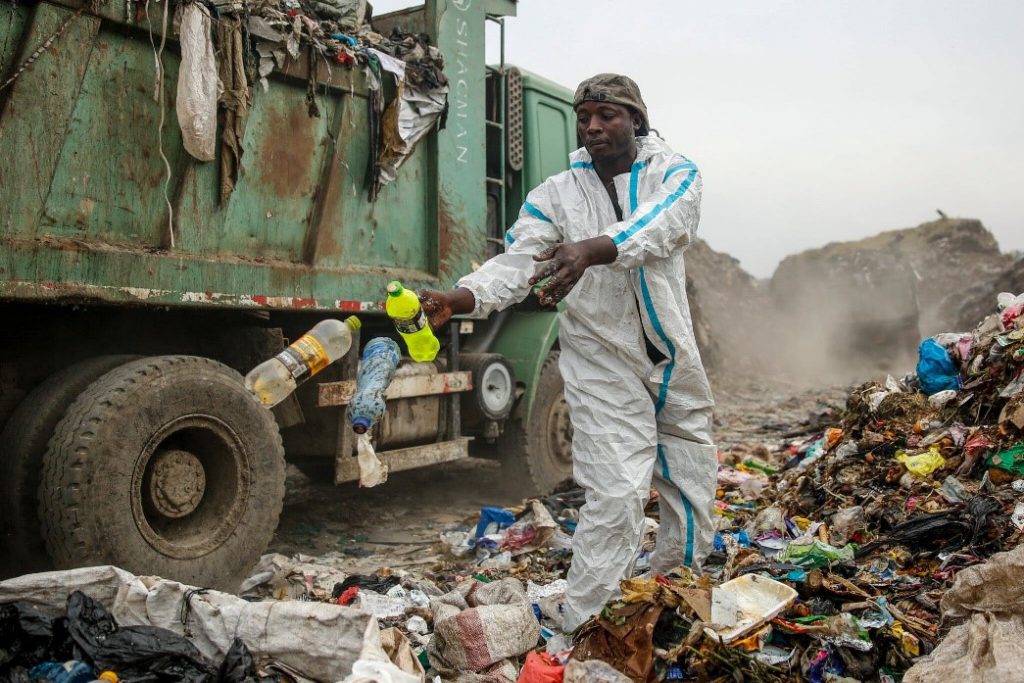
point(758, 600)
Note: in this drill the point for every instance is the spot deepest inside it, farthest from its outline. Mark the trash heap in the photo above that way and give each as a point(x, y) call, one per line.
point(228, 46)
point(847, 554)
point(883, 547)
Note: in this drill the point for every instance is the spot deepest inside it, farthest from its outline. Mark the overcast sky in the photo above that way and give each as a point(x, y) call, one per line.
point(811, 121)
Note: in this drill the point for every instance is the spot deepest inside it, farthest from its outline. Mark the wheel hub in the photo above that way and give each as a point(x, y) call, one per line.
point(497, 388)
point(178, 483)
point(190, 486)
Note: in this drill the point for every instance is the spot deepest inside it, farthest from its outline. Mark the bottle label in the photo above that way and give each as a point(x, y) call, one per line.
point(305, 357)
point(411, 325)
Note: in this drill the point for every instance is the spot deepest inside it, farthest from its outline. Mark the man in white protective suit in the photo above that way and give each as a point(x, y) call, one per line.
point(608, 236)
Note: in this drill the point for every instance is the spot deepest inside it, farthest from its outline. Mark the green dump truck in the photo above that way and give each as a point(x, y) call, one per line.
point(133, 294)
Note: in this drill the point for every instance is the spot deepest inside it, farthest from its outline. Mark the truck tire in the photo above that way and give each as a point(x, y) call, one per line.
point(164, 466)
point(536, 455)
point(22, 444)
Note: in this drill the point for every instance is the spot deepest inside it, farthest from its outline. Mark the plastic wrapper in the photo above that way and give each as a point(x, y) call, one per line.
point(845, 523)
point(1011, 310)
point(815, 554)
point(922, 464)
point(953, 490)
point(935, 369)
point(940, 399)
point(592, 671)
point(406, 121)
point(770, 518)
point(196, 104)
point(391, 660)
point(372, 472)
point(540, 667)
point(1011, 460)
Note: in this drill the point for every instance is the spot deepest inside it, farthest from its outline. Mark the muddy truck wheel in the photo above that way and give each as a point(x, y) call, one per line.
point(536, 454)
point(22, 445)
point(164, 466)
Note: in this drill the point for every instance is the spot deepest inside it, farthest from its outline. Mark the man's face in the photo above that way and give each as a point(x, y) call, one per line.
point(607, 129)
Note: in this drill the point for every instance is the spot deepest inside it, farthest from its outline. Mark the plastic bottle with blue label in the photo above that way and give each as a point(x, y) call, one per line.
point(376, 370)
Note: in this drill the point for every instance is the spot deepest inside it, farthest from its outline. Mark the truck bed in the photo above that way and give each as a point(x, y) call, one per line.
point(90, 212)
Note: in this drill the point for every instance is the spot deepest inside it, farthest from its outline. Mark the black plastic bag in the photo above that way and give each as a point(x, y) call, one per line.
point(26, 636)
point(377, 584)
point(977, 513)
point(17, 674)
point(139, 654)
point(239, 666)
point(943, 528)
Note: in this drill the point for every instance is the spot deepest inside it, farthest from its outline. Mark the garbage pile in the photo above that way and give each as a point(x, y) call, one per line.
point(843, 555)
point(885, 546)
point(228, 46)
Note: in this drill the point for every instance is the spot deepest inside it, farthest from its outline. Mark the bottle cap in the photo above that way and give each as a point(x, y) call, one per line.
point(395, 288)
point(353, 322)
point(360, 425)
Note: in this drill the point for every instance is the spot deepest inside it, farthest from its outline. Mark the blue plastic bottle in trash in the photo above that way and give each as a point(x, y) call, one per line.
point(69, 672)
point(376, 370)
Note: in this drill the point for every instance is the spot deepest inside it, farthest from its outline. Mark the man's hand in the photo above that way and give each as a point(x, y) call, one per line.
point(441, 306)
point(565, 263)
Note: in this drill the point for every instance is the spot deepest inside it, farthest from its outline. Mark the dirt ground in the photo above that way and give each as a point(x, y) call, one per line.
point(397, 524)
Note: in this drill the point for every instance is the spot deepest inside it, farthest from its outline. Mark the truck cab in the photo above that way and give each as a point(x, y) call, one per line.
point(135, 294)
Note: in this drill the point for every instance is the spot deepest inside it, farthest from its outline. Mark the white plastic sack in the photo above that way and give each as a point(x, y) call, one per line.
point(406, 121)
point(197, 84)
point(290, 578)
point(986, 648)
point(479, 627)
point(593, 671)
point(1008, 299)
point(390, 661)
point(319, 640)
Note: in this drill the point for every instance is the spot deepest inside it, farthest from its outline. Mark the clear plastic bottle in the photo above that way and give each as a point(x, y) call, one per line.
point(273, 380)
point(376, 370)
point(403, 307)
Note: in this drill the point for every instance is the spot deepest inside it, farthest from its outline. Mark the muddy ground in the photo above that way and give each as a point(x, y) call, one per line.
point(397, 524)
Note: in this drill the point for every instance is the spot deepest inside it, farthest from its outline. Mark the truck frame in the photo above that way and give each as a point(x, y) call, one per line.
point(133, 297)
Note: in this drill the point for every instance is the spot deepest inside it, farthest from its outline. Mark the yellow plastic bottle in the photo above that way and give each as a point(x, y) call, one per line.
point(403, 307)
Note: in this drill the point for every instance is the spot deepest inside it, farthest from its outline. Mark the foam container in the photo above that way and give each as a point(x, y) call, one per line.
point(757, 601)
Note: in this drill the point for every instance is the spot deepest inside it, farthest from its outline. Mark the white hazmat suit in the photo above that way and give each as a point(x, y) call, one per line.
point(632, 418)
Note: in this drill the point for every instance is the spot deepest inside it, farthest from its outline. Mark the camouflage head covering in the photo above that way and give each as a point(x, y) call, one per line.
point(617, 90)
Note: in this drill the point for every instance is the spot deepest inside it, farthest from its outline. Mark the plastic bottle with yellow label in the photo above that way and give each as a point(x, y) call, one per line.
point(403, 307)
point(273, 380)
